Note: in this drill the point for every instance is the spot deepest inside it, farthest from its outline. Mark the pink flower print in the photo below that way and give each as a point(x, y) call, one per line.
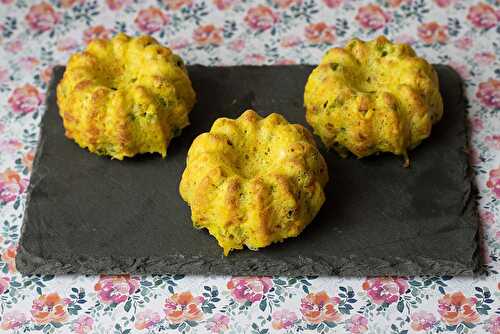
point(261, 18)
point(443, 3)
point(319, 33)
point(10, 145)
point(9, 256)
point(25, 99)
point(422, 321)
point(42, 17)
point(493, 325)
point(116, 288)
point(96, 32)
point(151, 20)
point(285, 3)
point(117, 4)
point(12, 320)
point(396, 3)
point(249, 288)
point(455, 308)
point(28, 63)
point(320, 307)
point(483, 16)
point(493, 141)
point(49, 308)
point(219, 323)
point(183, 306)
point(332, 3)
point(207, 35)
point(67, 44)
point(284, 61)
point(497, 236)
point(484, 58)
point(464, 43)
point(494, 182)
point(223, 4)
point(487, 216)
point(385, 289)
point(4, 284)
point(237, 45)
point(432, 32)
point(476, 124)
point(372, 17)
point(70, 3)
point(11, 185)
point(357, 324)
point(83, 325)
point(27, 159)
point(146, 319)
point(283, 319)
point(290, 41)
point(177, 4)
point(14, 46)
point(178, 43)
point(255, 59)
point(46, 74)
point(488, 93)
point(405, 39)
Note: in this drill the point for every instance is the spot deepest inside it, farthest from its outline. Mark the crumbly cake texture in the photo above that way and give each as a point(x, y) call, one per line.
point(254, 181)
point(371, 97)
point(125, 96)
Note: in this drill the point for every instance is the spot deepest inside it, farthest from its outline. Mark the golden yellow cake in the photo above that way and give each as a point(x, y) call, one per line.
point(374, 96)
point(253, 181)
point(125, 96)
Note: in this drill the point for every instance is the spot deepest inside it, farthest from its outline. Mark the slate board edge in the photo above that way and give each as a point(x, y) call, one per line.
point(29, 263)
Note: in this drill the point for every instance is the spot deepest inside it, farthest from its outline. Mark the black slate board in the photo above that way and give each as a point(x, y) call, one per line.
point(89, 214)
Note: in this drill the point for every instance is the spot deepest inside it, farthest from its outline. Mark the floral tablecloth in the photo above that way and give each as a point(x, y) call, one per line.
point(36, 35)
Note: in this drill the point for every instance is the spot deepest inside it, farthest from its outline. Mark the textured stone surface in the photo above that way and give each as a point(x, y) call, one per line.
point(89, 214)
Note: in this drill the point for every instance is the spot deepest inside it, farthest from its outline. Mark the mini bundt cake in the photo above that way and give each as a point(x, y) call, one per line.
point(254, 181)
point(372, 97)
point(125, 96)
